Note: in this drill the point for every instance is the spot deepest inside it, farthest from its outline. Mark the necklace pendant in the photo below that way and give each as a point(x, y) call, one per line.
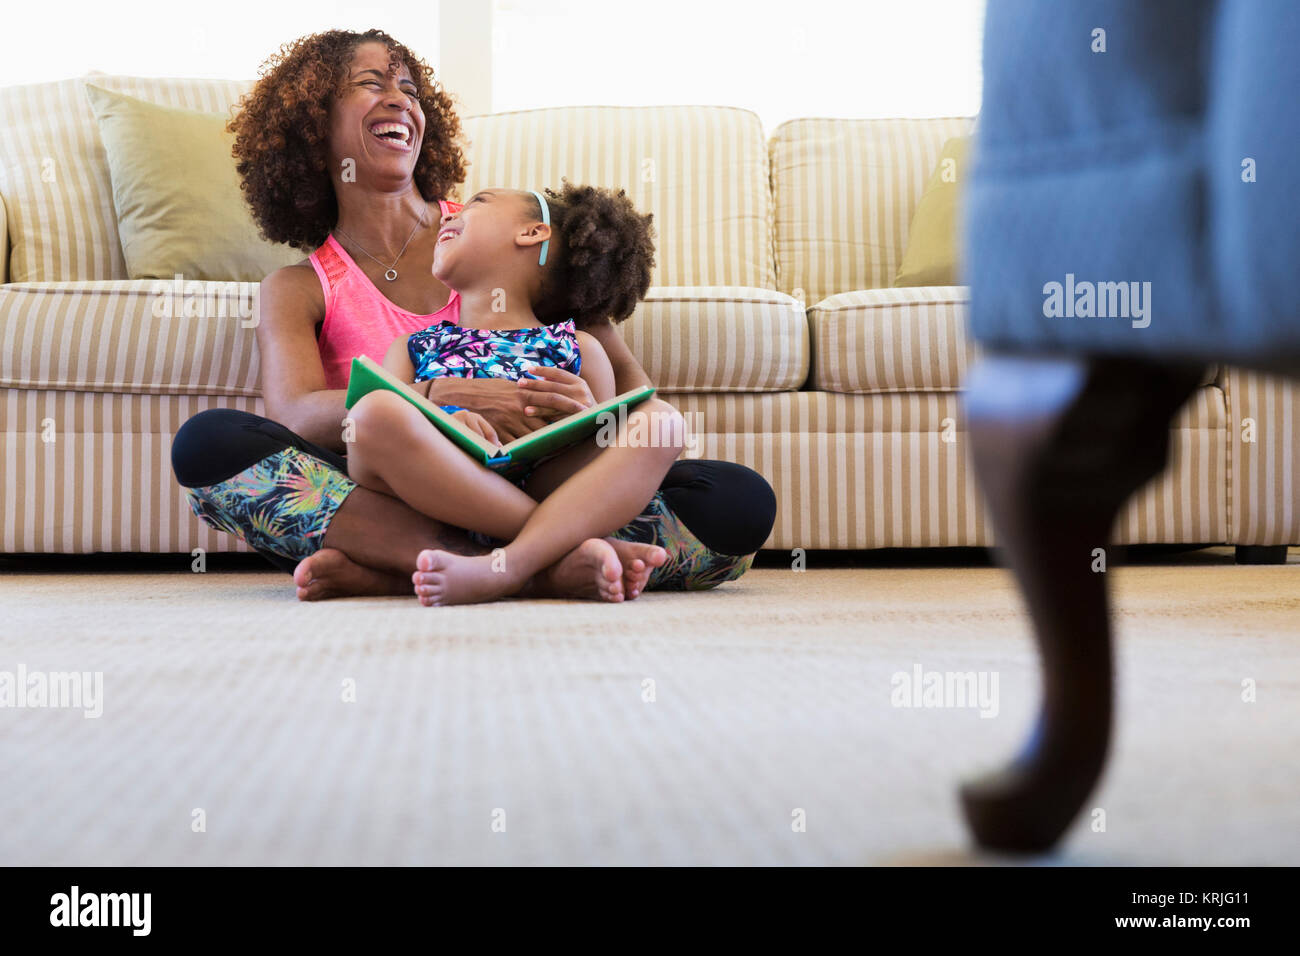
point(390, 275)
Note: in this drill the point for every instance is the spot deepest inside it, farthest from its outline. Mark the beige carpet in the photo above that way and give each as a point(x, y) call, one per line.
point(771, 695)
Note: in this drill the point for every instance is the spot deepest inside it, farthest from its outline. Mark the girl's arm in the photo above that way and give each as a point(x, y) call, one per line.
point(398, 361)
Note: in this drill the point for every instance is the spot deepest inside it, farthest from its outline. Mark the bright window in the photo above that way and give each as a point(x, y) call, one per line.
point(228, 39)
point(780, 58)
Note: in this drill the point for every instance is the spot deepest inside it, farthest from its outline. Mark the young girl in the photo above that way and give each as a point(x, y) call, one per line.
point(526, 270)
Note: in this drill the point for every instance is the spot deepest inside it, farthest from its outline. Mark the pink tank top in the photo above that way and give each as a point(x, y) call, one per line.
point(358, 319)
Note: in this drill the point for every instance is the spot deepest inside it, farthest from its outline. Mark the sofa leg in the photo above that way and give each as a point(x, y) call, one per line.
point(1261, 554)
point(1058, 446)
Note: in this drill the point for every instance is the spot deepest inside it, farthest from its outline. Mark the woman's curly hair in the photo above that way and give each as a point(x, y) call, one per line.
point(601, 253)
point(281, 132)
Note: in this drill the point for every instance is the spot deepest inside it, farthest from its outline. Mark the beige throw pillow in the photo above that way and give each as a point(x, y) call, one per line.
point(931, 256)
point(176, 194)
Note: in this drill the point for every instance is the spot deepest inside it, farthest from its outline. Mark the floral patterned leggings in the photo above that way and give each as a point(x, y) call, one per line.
point(255, 479)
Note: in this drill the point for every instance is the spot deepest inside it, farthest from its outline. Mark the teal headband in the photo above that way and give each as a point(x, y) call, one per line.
point(546, 218)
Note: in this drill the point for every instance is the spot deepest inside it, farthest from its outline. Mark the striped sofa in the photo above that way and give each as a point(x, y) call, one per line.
point(772, 325)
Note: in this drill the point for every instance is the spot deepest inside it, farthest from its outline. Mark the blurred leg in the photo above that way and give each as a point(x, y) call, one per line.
point(1059, 445)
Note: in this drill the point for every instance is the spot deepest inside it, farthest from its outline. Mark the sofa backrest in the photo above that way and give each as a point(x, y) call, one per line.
point(823, 208)
point(54, 173)
point(845, 192)
point(701, 170)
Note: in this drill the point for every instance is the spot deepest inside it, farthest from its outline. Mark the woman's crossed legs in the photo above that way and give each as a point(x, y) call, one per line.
point(293, 502)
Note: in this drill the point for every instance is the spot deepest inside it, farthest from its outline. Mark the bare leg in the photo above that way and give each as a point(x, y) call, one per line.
point(373, 541)
point(397, 453)
point(1059, 445)
point(370, 548)
point(373, 527)
point(589, 492)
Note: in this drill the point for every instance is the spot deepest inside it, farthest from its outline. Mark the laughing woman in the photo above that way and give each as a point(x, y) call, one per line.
point(348, 148)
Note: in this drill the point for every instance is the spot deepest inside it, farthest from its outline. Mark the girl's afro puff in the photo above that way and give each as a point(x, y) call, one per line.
point(600, 256)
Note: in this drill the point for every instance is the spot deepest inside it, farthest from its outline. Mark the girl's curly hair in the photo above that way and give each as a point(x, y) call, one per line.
point(602, 250)
point(281, 132)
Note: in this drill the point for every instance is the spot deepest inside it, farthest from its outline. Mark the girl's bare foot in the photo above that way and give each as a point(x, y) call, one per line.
point(587, 572)
point(594, 570)
point(329, 573)
point(444, 578)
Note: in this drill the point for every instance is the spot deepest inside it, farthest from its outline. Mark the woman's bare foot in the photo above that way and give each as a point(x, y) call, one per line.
point(593, 571)
point(581, 573)
point(329, 573)
point(638, 561)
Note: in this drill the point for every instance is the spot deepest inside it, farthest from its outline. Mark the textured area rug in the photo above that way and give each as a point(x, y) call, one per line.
point(764, 722)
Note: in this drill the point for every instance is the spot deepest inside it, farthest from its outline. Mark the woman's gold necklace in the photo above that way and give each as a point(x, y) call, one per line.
point(391, 274)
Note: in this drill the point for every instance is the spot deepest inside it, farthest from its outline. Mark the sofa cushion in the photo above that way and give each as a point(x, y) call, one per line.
point(199, 338)
point(846, 191)
point(932, 254)
point(177, 195)
point(911, 339)
point(701, 170)
point(890, 340)
point(54, 173)
point(130, 336)
point(719, 339)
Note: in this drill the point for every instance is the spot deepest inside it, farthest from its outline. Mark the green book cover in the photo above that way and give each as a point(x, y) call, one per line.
point(368, 375)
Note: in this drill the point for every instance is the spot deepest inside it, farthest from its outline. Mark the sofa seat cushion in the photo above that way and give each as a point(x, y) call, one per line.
point(199, 338)
point(126, 335)
point(719, 339)
point(891, 340)
point(897, 340)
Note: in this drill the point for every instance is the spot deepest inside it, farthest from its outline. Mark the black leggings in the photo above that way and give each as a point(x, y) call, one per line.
point(728, 507)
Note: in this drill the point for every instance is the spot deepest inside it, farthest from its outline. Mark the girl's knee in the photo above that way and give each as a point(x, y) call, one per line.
point(376, 413)
point(663, 426)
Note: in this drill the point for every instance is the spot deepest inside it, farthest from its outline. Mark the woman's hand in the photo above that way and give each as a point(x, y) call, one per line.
point(503, 402)
point(496, 399)
point(554, 392)
point(477, 423)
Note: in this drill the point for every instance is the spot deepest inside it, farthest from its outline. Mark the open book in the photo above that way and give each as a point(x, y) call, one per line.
point(368, 375)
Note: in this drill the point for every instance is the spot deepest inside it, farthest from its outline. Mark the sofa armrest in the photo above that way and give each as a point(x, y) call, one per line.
point(4, 243)
point(1263, 457)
